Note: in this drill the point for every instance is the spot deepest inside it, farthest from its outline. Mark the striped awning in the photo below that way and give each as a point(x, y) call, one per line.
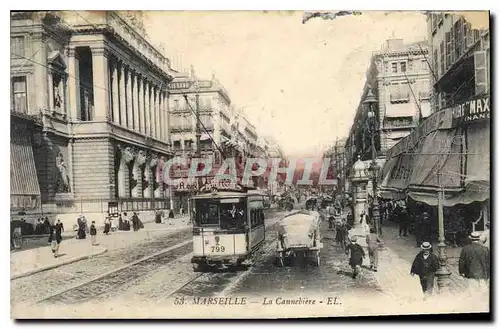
point(23, 177)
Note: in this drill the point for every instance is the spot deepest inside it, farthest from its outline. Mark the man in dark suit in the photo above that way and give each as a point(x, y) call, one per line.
point(425, 266)
point(474, 264)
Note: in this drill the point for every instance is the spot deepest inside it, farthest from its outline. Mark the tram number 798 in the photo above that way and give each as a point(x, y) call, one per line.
point(218, 248)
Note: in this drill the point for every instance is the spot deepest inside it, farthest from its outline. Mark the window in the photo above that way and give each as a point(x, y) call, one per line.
point(19, 95)
point(17, 47)
point(386, 67)
point(448, 49)
point(410, 65)
point(403, 67)
point(436, 65)
point(176, 105)
point(394, 67)
point(441, 57)
point(423, 65)
point(481, 74)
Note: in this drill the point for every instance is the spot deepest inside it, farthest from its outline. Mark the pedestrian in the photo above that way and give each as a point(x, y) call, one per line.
point(182, 211)
point(93, 234)
point(356, 255)
point(55, 237)
point(82, 234)
point(425, 266)
point(135, 222)
point(107, 225)
point(158, 217)
point(372, 241)
point(403, 221)
point(171, 214)
point(474, 263)
point(17, 236)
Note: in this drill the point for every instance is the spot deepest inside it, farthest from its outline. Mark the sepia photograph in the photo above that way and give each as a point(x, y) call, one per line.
point(265, 164)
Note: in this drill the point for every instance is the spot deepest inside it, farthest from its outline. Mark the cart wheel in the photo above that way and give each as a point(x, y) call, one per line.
point(317, 259)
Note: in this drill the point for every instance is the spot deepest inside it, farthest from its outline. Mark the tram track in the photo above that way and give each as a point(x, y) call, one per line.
point(107, 282)
point(119, 279)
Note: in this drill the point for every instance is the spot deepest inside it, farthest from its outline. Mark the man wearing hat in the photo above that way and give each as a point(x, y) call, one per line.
point(474, 263)
point(425, 266)
point(356, 255)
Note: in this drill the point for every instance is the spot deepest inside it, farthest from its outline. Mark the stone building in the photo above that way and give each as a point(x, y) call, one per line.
point(90, 93)
point(398, 76)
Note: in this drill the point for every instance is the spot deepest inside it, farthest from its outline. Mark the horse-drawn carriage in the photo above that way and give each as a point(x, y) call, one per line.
point(299, 233)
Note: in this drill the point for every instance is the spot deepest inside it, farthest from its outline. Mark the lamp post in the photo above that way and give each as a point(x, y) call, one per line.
point(443, 273)
point(370, 100)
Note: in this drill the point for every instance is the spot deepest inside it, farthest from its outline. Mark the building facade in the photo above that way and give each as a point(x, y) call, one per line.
point(91, 95)
point(399, 77)
point(450, 150)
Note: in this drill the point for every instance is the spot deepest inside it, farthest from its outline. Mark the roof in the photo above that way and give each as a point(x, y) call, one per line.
point(220, 195)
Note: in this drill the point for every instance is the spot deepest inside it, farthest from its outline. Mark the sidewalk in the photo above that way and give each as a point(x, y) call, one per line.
point(37, 256)
point(406, 249)
point(27, 262)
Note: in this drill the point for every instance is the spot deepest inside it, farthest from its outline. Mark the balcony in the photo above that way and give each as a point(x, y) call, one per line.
point(400, 97)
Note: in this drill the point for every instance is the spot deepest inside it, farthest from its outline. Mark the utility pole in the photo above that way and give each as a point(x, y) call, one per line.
point(198, 133)
point(443, 273)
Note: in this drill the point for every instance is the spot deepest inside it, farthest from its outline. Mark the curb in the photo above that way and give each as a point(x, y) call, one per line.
point(50, 267)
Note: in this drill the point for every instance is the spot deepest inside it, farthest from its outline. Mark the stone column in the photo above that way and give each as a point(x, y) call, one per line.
point(128, 98)
point(153, 111)
point(140, 103)
point(115, 93)
point(147, 117)
point(166, 111)
point(73, 84)
point(51, 90)
point(100, 73)
point(123, 109)
point(158, 115)
point(135, 97)
point(40, 81)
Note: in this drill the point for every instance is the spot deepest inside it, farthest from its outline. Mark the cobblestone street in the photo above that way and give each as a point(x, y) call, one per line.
point(153, 268)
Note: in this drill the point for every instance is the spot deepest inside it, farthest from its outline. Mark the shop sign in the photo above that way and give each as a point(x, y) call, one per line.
point(472, 110)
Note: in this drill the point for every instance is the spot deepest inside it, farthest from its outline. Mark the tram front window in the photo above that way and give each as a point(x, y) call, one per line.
point(232, 215)
point(225, 214)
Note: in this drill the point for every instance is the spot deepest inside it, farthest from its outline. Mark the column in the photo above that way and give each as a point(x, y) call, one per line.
point(73, 84)
point(160, 112)
point(128, 92)
point(100, 73)
point(166, 106)
point(157, 113)
point(135, 97)
point(154, 109)
point(121, 88)
point(51, 91)
point(140, 103)
point(115, 93)
point(39, 47)
point(147, 119)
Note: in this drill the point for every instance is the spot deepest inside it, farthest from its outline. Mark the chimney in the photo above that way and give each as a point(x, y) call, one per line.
point(394, 44)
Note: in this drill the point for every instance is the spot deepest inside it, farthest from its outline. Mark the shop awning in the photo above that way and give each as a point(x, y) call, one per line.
point(24, 187)
point(400, 110)
point(465, 197)
point(478, 152)
point(439, 152)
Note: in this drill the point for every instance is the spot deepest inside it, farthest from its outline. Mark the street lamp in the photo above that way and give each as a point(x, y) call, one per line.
point(370, 100)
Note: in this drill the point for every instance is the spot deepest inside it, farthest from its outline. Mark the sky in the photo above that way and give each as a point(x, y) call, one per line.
point(299, 83)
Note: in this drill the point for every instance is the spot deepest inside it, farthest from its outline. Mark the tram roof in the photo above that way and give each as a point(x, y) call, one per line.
point(220, 195)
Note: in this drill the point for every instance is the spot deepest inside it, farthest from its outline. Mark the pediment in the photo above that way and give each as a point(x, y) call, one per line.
point(56, 59)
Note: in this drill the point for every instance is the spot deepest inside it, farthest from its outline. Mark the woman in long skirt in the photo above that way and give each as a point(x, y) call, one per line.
point(82, 234)
point(107, 225)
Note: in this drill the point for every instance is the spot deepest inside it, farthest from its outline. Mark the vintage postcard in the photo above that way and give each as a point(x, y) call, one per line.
point(249, 164)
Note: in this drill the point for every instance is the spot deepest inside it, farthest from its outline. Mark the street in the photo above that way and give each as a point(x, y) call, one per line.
point(158, 273)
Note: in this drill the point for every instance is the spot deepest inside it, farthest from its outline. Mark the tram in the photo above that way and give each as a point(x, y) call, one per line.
point(228, 227)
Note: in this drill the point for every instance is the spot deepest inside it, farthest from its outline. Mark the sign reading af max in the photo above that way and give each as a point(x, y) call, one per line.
point(472, 110)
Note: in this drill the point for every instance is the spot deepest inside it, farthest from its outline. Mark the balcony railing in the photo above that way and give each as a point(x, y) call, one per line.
point(400, 97)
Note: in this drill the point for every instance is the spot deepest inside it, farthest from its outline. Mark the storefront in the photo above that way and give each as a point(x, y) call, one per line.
point(449, 151)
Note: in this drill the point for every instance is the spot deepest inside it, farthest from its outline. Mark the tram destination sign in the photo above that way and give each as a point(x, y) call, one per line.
point(472, 110)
